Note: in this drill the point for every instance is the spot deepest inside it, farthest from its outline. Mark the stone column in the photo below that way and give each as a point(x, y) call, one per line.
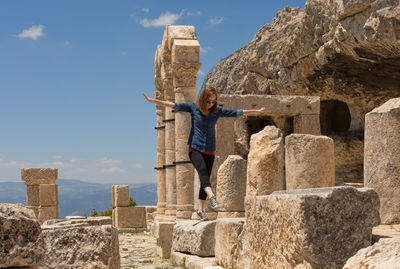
point(170, 171)
point(185, 65)
point(159, 94)
point(382, 158)
point(310, 161)
point(42, 192)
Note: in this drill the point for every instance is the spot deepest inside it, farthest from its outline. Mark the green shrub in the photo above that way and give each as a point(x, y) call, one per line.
point(132, 202)
point(94, 213)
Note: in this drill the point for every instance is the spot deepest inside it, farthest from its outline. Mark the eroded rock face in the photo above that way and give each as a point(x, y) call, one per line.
point(383, 254)
point(20, 241)
point(342, 50)
point(346, 52)
point(81, 246)
point(194, 237)
point(313, 228)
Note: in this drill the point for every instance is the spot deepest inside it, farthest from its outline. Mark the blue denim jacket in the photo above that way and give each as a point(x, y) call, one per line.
point(202, 133)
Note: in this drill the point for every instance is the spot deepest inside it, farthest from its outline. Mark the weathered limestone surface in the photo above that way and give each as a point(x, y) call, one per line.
point(265, 165)
point(314, 228)
point(75, 222)
point(32, 195)
point(80, 247)
point(384, 254)
point(382, 158)
point(36, 176)
point(194, 237)
point(193, 262)
point(231, 184)
point(129, 217)
point(163, 232)
point(48, 195)
point(120, 195)
point(20, 241)
point(47, 213)
point(309, 161)
point(227, 233)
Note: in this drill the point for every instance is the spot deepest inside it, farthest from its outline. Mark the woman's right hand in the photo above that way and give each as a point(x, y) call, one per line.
point(148, 98)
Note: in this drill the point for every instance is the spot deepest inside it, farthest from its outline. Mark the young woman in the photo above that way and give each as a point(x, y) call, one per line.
point(205, 113)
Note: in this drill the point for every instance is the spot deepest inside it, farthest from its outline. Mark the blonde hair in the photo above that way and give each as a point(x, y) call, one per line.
point(203, 98)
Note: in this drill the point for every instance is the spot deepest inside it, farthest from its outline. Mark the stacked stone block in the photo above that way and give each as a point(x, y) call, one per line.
point(42, 192)
point(126, 218)
point(310, 161)
point(382, 158)
point(309, 228)
point(231, 187)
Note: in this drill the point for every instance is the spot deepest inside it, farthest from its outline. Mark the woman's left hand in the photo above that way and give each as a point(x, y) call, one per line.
point(261, 110)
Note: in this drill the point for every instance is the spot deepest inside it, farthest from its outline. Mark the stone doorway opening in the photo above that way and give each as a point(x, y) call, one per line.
point(255, 124)
point(335, 117)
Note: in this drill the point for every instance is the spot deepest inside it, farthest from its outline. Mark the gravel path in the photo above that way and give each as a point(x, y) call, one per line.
point(138, 250)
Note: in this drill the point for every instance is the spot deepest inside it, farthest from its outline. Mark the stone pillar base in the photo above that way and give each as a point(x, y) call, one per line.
point(224, 215)
point(184, 214)
point(210, 215)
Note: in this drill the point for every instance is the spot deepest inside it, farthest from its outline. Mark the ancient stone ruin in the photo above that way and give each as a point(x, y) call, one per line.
point(328, 76)
point(279, 176)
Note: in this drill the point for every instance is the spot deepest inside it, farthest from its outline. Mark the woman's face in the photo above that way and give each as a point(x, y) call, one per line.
point(211, 101)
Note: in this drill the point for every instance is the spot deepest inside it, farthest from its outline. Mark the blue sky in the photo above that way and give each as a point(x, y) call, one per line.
point(72, 73)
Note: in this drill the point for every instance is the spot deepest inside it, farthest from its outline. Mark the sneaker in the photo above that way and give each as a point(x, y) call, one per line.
point(202, 215)
point(213, 202)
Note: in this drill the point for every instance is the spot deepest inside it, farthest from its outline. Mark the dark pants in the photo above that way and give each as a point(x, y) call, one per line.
point(203, 164)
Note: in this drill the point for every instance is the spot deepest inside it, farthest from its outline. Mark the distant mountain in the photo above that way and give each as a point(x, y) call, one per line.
point(76, 197)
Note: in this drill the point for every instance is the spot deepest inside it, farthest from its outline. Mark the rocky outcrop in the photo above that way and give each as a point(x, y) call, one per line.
point(20, 241)
point(77, 244)
point(384, 254)
point(346, 52)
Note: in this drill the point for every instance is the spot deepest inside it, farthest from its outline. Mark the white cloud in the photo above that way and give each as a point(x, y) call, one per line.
point(165, 18)
point(57, 157)
point(108, 161)
point(216, 20)
point(201, 73)
point(113, 169)
point(6, 164)
point(137, 165)
point(56, 164)
point(205, 49)
point(145, 9)
point(197, 13)
point(34, 32)
point(67, 43)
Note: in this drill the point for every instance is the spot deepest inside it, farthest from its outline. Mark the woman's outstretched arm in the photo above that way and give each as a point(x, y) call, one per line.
point(159, 102)
point(253, 111)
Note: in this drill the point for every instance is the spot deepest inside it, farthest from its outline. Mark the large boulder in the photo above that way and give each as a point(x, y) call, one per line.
point(385, 254)
point(314, 228)
point(20, 241)
point(80, 245)
point(194, 237)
